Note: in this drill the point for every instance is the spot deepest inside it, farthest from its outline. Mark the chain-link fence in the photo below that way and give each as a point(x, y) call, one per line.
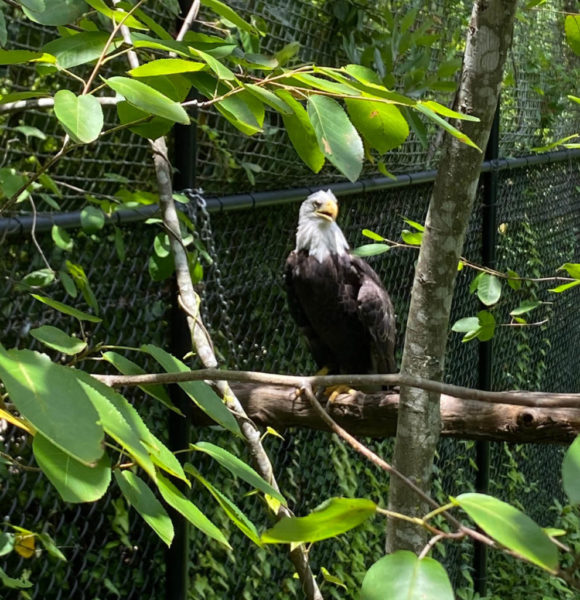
point(110, 553)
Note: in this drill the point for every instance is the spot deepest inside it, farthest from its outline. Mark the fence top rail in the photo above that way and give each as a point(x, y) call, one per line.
point(18, 225)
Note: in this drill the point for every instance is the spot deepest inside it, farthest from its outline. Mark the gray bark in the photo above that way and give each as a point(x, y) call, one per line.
point(375, 415)
point(488, 40)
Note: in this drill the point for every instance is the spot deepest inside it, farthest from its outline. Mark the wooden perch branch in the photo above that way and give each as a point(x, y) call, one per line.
point(375, 415)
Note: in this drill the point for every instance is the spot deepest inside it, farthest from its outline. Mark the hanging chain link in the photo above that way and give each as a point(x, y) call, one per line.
point(197, 211)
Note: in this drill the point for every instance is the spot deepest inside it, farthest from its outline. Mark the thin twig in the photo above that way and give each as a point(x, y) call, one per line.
point(188, 21)
point(518, 398)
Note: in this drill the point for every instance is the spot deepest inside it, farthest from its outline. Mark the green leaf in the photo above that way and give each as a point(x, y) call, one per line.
point(92, 219)
point(214, 64)
point(189, 510)
point(67, 310)
point(29, 131)
point(198, 391)
point(148, 99)
point(121, 421)
point(414, 224)
point(382, 125)
point(118, 15)
point(337, 137)
point(573, 269)
point(15, 57)
point(525, 307)
point(447, 126)
point(82, 283)
point(230, 15)
point(58, 340)
point(514, 280)
point(128, 367)
point(74, 481)
point(141, 498)
point(404, 575)
point(332, 578)
point(80, 48)
point(571, 472)
point(50, 546)
point(447, 112)
point(466, 325)
point(413, 238)
point(238, 468)
point(269, 98)
point(331, 518)
point(119, 243)
point(151, 128)
point(161, 268)
point(166, 66)
point(486, 326)
point(50, 398)
point(560, 142)
point(511, 528)
point(301, 133)
point(3, 31)
point(572, 28)
point(57, 12)
point(370, 250)
point(565, 286)
point(40, 278)
point(237, 517)
point(62, 238)
point(489, 289)
point(81, 116)
point(13, 583)
point(372, 235)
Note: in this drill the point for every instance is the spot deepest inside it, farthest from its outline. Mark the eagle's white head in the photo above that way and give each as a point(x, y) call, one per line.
point(317, 231)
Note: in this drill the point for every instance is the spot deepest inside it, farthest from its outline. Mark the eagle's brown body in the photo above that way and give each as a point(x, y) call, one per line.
point(337, 299)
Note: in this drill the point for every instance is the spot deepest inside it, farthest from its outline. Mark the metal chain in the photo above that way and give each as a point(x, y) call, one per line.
point(197, 211)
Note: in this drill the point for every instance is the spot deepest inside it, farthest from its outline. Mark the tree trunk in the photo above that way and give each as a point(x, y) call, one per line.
point(488, 40)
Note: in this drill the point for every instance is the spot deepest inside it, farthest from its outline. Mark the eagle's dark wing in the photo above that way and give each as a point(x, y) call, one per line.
point(322, 354)
point(376, 313)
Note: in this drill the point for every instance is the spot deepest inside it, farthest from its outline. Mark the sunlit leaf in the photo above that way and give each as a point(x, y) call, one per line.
point(336, 135)
point(80, 48)
point(331, 518)
point(62, 238)
point(572, 28)
point(301, 133)
point(447, 126)
point(370, 250)
point(525, 307)
point(58, 340)
point(148, 99)
point(118, 15)
point(81, 116)
point(489, 289)
point(511, 528)
point(223, 10)
point(67, 310)
point(49, 396)
point(166, 66)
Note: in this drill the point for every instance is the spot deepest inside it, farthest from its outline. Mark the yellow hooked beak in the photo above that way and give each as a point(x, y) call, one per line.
point(328, 210)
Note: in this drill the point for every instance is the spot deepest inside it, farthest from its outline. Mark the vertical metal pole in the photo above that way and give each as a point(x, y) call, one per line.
point(488, 257)
point(177, 556)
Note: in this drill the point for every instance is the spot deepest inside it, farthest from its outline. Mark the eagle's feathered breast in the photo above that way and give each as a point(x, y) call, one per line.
point(337, 299)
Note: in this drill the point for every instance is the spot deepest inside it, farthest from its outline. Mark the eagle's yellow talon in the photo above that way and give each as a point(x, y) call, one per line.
point(334, 391)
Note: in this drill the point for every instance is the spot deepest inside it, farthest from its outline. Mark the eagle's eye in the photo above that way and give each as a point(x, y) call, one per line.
point(316, 204)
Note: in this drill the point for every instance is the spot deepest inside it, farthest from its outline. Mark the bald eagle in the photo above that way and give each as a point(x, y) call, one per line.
point(336, 298)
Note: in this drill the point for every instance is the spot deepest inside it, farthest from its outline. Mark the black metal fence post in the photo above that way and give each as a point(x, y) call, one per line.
point(177, 556)
point(489, 181)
